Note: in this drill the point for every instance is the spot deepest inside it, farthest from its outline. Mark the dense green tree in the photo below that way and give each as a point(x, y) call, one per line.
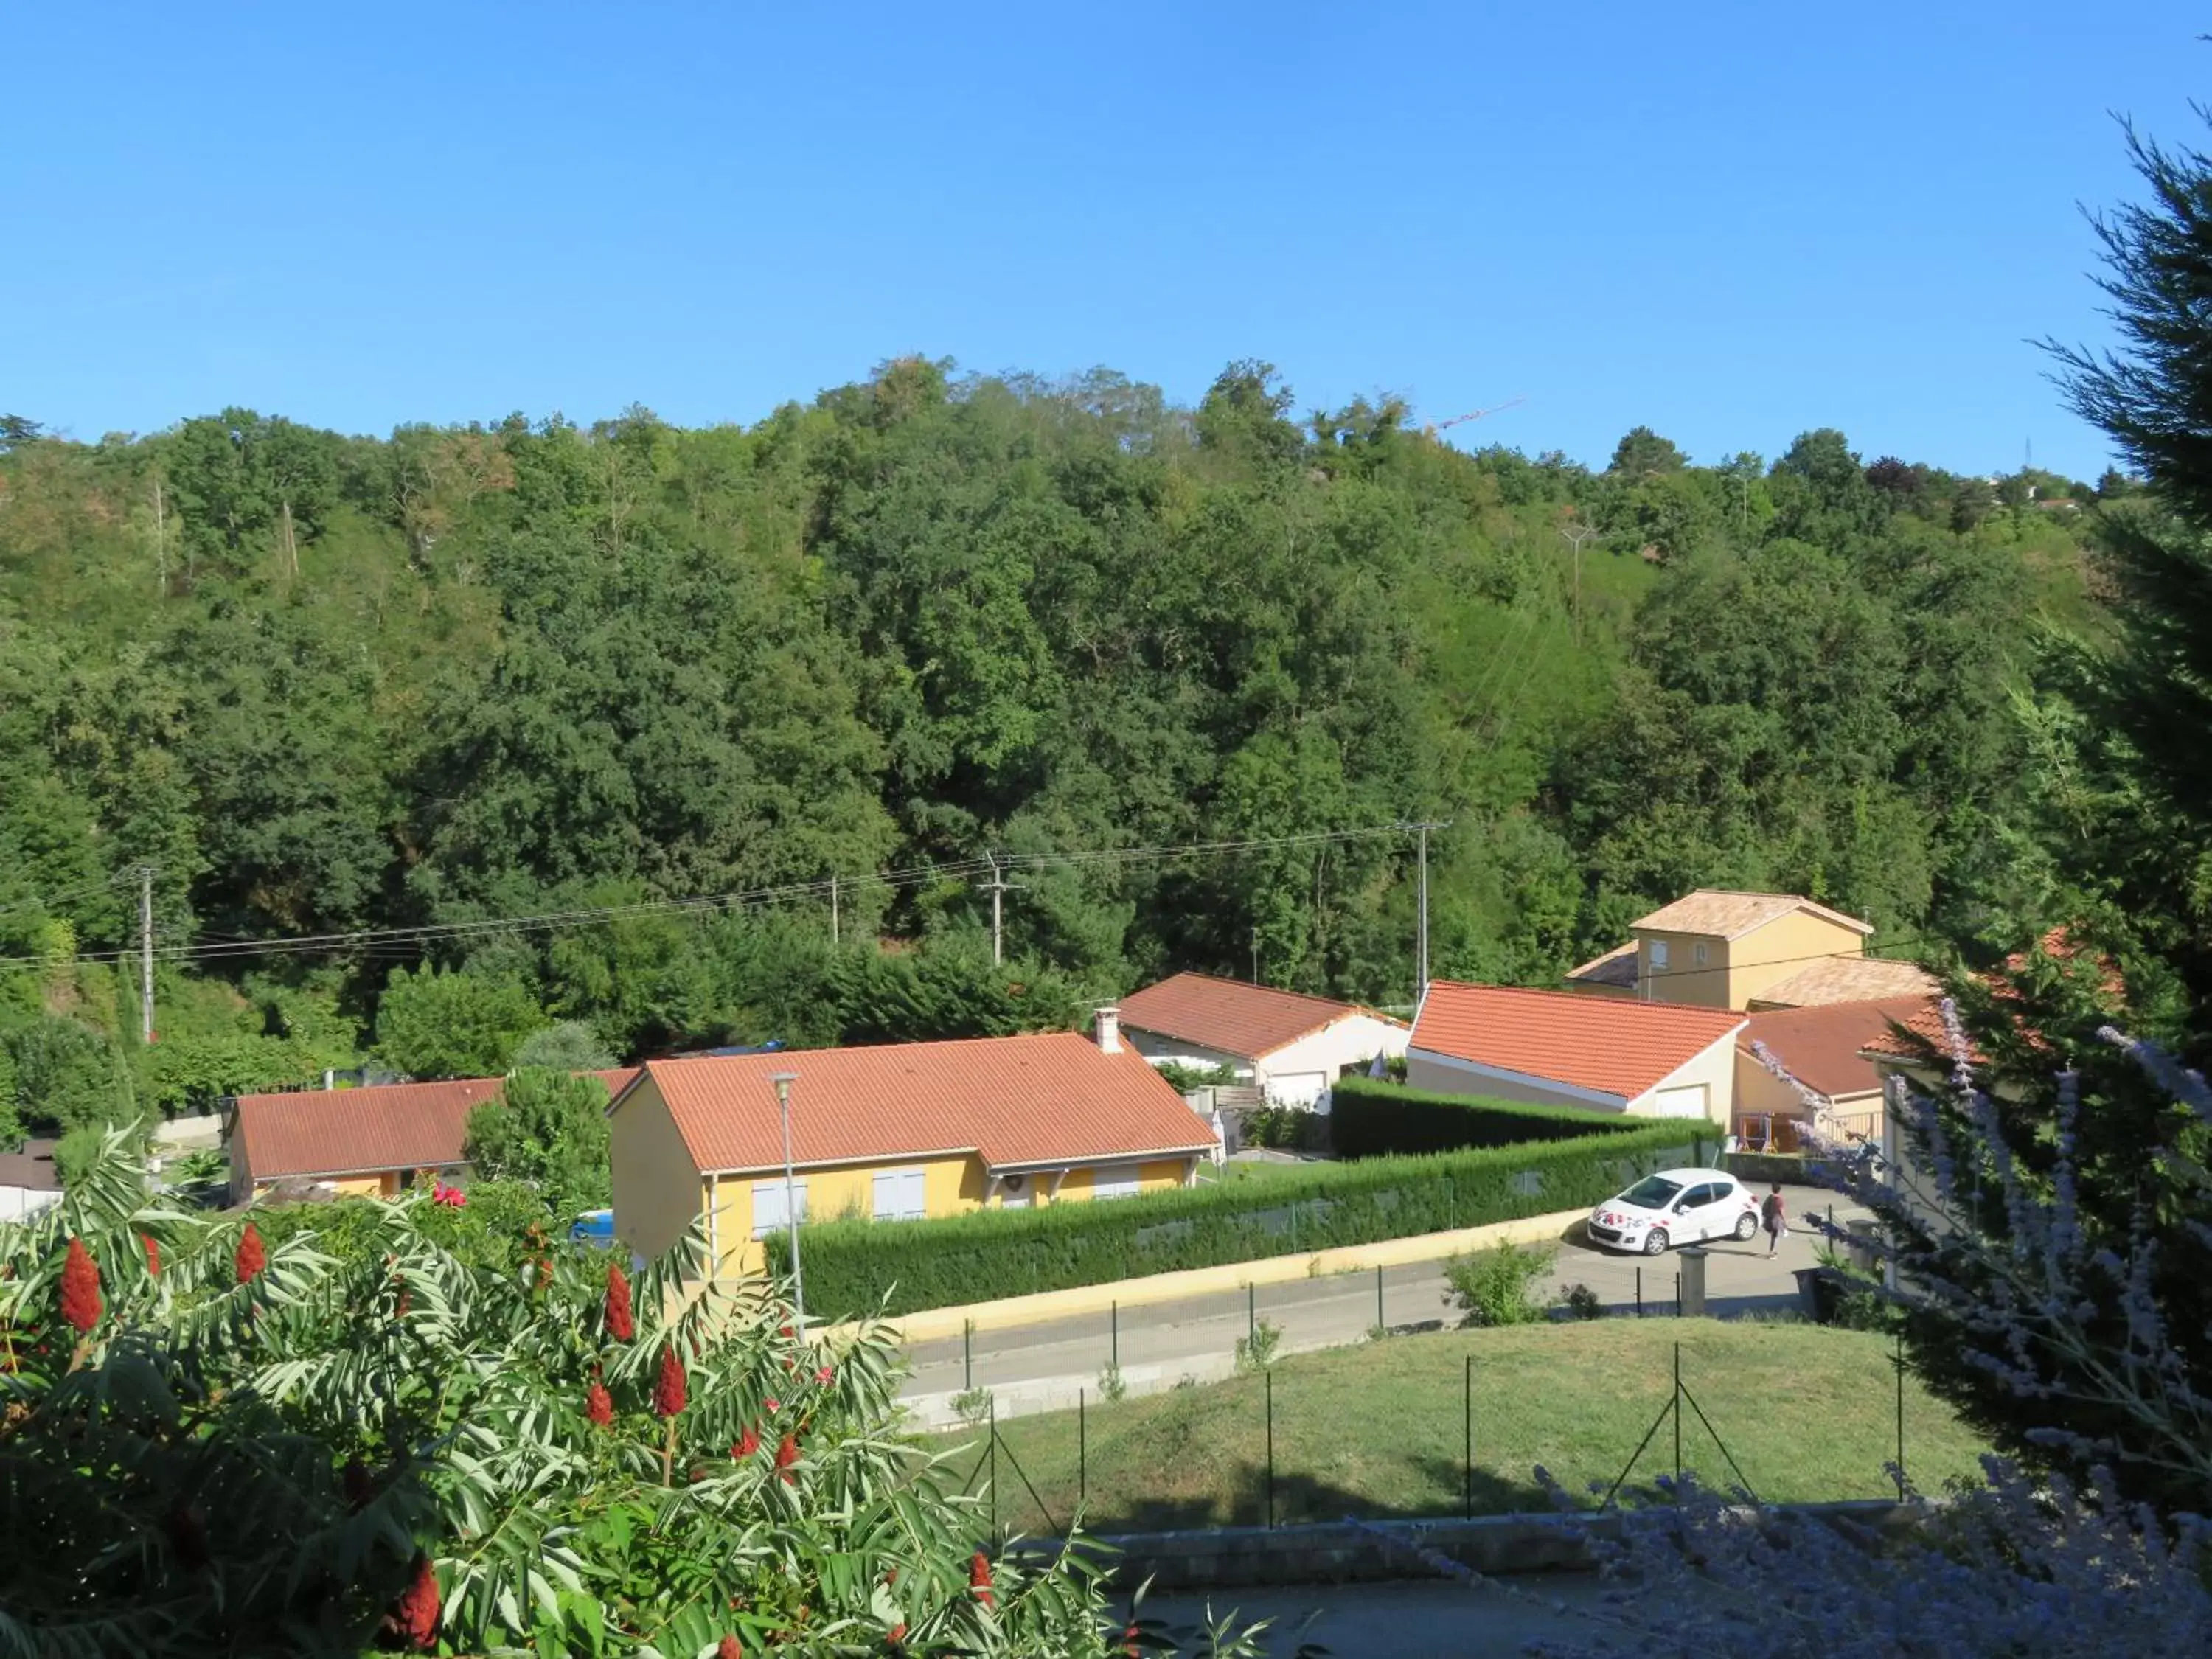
point(570, 1046)
point(2150, 700)
point(431, 1024)
point(928, 620)
point(1642, 453)
point(548, 1129)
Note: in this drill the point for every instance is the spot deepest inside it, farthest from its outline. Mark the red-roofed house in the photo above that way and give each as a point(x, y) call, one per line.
point(896, 1132)
point(1824, 1047)
point(1563, 1048)
point(1291, 1048)
point(362, 1143)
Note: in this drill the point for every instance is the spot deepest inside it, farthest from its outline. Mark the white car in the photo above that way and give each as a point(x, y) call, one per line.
point(1675, 1206)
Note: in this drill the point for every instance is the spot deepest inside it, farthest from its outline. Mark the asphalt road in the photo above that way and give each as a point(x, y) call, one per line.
point(1341, 1309)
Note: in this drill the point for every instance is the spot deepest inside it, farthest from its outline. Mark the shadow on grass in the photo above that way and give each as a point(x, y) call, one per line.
point(1247, 1497)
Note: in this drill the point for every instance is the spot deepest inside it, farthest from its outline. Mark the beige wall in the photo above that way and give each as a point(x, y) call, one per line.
point(1788, 945)
point(1422, 1072)
point(658, 1190)
point(1685, 979)
point(1715, 1068)
point(951, 1186)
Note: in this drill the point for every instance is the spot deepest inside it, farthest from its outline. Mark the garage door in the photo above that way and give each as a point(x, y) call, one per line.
point(1689, 1101)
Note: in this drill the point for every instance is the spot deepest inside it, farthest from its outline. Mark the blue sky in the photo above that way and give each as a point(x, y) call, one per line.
point(1734, 228)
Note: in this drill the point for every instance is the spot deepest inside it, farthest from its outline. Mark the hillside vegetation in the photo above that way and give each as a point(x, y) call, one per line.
point(326, 685)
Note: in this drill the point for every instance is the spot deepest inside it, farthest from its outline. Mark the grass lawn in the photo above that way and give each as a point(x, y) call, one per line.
point(1243, 1170)
point(1808, 1413)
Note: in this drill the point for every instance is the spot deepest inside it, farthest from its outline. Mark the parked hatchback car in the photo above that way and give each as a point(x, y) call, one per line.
point(1675, 1206)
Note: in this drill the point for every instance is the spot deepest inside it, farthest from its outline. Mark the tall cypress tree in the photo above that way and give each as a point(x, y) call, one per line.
point(2152, 395)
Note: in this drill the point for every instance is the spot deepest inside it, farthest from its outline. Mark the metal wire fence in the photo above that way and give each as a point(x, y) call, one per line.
point(1449, 1432)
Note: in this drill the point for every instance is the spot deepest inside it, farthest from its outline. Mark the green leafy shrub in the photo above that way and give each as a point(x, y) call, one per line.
point(1492, 1287)
point(1371, 1120)
point(854, 1267)
point(218, 1441)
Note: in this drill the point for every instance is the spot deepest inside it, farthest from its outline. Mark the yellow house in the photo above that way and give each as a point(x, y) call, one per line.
point(361, 1143)
point(897, 1133)
point(1748, 951)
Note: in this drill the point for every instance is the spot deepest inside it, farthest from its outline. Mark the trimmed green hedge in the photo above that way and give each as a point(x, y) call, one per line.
point(857, 1266)
point(1371, 1119)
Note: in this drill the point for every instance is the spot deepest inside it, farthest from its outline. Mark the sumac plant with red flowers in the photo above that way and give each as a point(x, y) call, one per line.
point(431, 1485)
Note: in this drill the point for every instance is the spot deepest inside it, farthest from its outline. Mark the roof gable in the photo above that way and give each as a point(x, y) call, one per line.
point(1611, 1045)
point(1717, 914)
point(399, 1126)
point(1051, 1098)
point(1232, 1016)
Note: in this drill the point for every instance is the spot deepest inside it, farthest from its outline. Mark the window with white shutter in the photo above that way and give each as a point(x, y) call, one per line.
point(1116, 1181)
point(769, 1216)
point(900, 1196)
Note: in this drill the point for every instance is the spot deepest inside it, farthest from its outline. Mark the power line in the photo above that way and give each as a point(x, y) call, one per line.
point(365, 941)
point(49, 900)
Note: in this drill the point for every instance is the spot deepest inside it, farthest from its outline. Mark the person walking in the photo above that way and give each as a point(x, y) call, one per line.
point(1774, 1217)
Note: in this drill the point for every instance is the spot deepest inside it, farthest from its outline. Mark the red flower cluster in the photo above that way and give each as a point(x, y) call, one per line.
point(786, 1454)
point(80, 1304)
point(251, 1258)
point(598, 1404)
point(727, 1647)
point(452, 1197)
point(414, 1615)
point(668, 1392)
point(153, 1254)
point(1129, 1642)
point(748, 1443)
point(979, 1578)
point(620, 1325)
point(896, 1633)
point(827, 1375)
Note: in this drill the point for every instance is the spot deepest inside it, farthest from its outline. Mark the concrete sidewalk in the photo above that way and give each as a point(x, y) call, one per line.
point(1040, 1367)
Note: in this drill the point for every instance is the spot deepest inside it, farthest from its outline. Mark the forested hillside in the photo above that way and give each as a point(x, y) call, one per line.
point(326, 685)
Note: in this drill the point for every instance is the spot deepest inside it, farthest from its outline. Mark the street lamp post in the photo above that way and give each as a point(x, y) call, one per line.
point(783, 1080)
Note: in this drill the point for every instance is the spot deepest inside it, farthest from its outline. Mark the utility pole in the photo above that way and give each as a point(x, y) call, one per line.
point(1421, 928)
point(998, 887)
point(1255, 954)
point(1574, 536)
point(835, 936)
point(146, 953)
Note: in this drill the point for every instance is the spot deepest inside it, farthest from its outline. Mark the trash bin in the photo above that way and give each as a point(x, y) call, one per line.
point(1864, 1233)
point(1692, 1258)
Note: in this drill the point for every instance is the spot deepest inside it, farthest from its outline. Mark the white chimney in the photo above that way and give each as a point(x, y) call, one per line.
point(1109, 1031)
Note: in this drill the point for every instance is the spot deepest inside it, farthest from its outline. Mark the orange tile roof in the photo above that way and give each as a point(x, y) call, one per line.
point(1616, 967)
point(1019, 1102)
point(1611, 1045)
point(1721, 914)
point(1230, 1015)
point(1851, 979)
point(1926, 1021)
point(1823, 1047)
point(399, 1126)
